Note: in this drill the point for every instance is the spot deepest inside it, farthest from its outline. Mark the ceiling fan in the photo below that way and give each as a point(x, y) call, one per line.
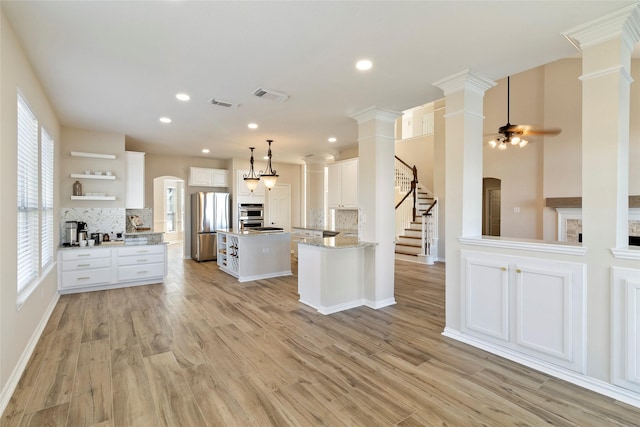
point(513, 134)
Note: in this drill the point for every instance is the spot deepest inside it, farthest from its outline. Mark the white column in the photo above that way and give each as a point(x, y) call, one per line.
point(606, 46)
point(464, 93)
point(376, 139)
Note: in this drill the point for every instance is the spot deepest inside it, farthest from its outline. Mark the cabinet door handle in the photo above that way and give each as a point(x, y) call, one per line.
point(143, 272)
point(84, 278)
point(143, 260)
point(84, 265)
point(518, 270)
point(84, 254)
point(143, 251)
point(503, 268)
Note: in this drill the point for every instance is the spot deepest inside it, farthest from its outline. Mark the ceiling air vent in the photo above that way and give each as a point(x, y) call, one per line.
point(222, 103)
point(270, 94)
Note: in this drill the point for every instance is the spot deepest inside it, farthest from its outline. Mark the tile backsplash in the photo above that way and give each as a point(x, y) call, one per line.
point(346, 219)
point(315, 218)
point(145, 215)
point(99, 220)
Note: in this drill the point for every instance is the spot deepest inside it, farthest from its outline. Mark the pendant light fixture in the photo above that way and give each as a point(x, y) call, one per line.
point(251, 179)
point(270, 177)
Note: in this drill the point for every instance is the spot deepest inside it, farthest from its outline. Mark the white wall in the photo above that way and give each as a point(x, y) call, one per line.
point(19, 328)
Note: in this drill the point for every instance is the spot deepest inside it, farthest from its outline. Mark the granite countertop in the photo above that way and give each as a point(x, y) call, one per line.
point(350, 232)
point(338, 242)
point(251, 233)
point(132, 233)
point(109, 244)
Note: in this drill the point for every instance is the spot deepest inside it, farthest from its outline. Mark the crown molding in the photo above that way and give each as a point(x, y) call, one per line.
point(623, 23)
point(377, 113)
point(465, 79)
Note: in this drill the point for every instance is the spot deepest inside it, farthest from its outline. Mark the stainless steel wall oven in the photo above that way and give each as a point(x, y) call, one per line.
point(250, 215)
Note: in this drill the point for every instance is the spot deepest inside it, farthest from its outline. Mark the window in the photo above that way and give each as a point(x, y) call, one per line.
point(35, 175)
point(46, 198)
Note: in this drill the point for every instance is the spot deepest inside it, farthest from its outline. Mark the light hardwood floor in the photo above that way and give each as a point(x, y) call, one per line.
point(205, 350)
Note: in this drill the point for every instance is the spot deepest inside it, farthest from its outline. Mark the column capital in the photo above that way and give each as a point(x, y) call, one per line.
point(623, 23)
point(465, 79)
point(377, 113)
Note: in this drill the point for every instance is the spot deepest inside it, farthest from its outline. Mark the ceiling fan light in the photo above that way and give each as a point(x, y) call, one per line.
point(493, 143)
point(502, 146)
point(515, 140)
point(523, 143)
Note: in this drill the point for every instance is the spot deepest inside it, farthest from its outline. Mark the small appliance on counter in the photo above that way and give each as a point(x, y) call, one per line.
point(71, 233)
point(83, 232)
point(97, 237)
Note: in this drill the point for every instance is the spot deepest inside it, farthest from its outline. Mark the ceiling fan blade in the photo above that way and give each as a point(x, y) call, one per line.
point(529, 130)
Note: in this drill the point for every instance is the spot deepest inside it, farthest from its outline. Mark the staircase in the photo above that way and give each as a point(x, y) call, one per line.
point(416, 232)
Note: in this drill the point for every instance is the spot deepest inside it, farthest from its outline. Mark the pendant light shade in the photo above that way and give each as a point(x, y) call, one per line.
point(251, 179)
point(270, 176)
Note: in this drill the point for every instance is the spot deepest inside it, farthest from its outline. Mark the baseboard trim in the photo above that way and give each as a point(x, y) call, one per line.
point(593, 384)
point(18, 370)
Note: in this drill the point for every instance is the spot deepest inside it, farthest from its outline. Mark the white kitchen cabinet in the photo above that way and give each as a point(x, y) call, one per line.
point(99, 268)
point(343, 184)
point(533, 306)
point(207, 177)
point(134, 180)
point(625, 328)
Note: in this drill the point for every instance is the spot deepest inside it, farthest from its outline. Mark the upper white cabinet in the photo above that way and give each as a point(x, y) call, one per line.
point(207, 177)
point(134, 182)
point(533, 306)
point(343, 184)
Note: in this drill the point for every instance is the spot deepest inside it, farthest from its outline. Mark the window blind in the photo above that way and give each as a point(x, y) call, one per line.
point(46, 198)
point(27, 178)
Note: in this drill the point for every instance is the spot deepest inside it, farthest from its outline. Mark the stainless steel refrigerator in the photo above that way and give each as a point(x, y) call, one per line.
point(209, 212)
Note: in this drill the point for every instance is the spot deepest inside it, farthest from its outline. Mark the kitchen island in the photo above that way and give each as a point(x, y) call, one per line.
point(333, 272)
point(252, 255)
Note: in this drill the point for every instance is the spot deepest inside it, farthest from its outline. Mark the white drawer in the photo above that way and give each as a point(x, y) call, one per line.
point(141, 250)
point(85, 253)
point(84, 264)
point(140, 259)
point(140, 272)
point(79, 278)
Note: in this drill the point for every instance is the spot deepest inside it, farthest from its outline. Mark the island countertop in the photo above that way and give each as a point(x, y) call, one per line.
point(337, 242)
point(250, 233)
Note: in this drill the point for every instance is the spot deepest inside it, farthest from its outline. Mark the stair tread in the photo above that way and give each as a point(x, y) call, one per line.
point(407, 253)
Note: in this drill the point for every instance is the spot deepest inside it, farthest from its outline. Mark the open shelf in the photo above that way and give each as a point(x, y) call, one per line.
point(93, 197)
point(93, 155)
point(85, 176)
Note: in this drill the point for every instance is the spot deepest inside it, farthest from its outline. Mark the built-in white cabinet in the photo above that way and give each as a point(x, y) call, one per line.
point(99, 268)
point(343, 184)
point(625, 328)
point(248, 256)
point(530, 305)
point(134, 182)
point(207, 177)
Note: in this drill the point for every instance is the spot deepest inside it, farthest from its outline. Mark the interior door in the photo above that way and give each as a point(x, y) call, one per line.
point(280, 206)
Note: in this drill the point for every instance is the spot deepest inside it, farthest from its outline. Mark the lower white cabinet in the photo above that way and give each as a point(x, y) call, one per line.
point(530, 305)
point(86, 269)
point(625, 328)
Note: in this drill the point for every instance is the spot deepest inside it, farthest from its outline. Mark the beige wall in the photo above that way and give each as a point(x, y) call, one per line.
point(19, 327)
point(418, 152)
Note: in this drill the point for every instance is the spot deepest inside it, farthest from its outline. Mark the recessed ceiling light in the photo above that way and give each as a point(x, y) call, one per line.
point(205, 150)
point(364, 65)
point(165, 119)
point(332, 140)
point(183, 97)
point(252, 126)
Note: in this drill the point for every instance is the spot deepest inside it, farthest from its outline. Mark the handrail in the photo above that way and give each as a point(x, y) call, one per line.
point(412, 190)
point(430, 207)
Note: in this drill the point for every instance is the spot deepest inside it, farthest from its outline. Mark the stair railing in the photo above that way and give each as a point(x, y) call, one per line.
point(407, 180)
point(427, 239)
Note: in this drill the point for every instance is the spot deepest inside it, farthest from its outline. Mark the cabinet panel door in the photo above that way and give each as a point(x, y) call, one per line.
point(543, 310)
point(485, 297)
point(219, 178)
point(200, 177)
point(633, 332)
point(334, 183)
point(350, 184)
point(134, 180)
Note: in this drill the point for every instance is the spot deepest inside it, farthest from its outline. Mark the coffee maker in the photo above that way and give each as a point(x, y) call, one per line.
point(83, 232)
point(71, 233)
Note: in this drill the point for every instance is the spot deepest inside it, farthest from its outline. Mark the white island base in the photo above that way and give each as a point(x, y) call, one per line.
point(332, 279)
point(254, 256)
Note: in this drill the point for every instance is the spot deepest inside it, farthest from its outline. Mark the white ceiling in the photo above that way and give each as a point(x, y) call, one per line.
point(116, 66)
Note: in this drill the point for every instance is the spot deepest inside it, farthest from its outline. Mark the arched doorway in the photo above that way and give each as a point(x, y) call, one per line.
point(491, 206)
point(168, 208)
